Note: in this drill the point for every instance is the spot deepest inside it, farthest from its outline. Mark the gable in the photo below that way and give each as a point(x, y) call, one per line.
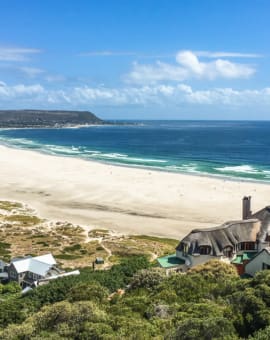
point(39, 265)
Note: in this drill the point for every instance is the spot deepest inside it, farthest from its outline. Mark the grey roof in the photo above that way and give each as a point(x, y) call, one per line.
point(2, 264)
point(57, 276)
point(39, 265)
point(3, 275)
point(229, 234)
point(264, 216)
point(266, 250)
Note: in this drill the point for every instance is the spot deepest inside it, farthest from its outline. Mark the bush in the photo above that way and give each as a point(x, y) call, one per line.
point(147, 278)
point(205, 329)
point(11, 288)
point(92, 291)
point(215, 270)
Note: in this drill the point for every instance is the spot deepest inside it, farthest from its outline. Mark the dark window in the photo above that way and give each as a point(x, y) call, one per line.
point(247, 246)
point(184, 248)
point(265, 266)
point(204, 250)
point(267, 239)
point(227, 251)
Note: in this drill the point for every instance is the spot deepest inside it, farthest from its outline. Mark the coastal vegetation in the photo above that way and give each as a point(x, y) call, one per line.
point(133, 298)
point(23, 232)
point(136, 300)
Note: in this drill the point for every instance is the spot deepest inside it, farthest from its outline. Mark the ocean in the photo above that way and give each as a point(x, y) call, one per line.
point(235, 149)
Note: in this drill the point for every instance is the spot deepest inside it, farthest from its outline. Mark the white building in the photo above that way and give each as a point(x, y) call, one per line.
point(260, 261)
point(30, 269)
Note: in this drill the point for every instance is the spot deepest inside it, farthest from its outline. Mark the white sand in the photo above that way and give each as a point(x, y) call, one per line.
point(123, 199)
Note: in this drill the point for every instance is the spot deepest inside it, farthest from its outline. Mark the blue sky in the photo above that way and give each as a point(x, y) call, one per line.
point(143, 59)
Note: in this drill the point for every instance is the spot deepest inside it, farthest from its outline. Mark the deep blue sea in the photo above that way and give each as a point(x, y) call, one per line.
point(217, 148)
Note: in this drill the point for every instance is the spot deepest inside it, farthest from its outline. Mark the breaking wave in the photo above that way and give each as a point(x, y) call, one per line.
point(166, 149)
point(245, 169)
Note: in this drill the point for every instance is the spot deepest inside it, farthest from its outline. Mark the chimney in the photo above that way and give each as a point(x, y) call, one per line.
point(246, 205)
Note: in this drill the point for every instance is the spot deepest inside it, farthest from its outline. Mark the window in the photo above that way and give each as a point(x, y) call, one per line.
point(227, 251)
point(184, 248)
point(35, 276)
point(267, 238)
point(204, 250)
point(247, 246)
point(265, 266)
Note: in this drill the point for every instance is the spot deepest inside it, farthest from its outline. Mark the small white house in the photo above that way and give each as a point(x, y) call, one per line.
point(260, 261)
point(30, 269)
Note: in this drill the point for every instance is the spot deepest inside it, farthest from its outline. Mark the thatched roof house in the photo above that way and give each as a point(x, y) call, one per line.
point(214, 241)
point(235, 239)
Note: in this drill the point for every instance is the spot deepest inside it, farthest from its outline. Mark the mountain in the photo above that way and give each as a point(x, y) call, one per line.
point(46, 118)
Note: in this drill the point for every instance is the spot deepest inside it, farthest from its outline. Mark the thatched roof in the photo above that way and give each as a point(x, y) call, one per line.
point(264, 216)
point(229, 234)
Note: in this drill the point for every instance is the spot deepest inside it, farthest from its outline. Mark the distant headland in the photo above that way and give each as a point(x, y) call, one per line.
point(47, 118)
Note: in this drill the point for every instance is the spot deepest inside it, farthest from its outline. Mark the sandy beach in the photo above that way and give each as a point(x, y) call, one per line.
point(127, 200)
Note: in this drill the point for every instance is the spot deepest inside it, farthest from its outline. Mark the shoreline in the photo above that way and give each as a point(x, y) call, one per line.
point(129, 200)
point(143, 167)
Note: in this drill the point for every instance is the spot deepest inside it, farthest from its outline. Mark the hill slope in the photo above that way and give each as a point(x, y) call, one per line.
point(46, 118)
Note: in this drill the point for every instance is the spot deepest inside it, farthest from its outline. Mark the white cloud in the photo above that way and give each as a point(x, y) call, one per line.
point(16, 53)
point(157, 95)
point(31, 72)
point(55, 78)
point(123, 53)
point(106, 54)
point(147, 96)
point(19, 91)
point(188, 66)
point(160, 71)
point(206, 54)
point(209, 54)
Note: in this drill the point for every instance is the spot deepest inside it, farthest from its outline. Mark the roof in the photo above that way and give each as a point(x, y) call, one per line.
point(228, 234)
point(99, 260)
point(245, 256)
point(38, 265)
point(170, 261)
point(264, 216)
point(266, 249)
point(2, 264)
point(3, 276)
point(74, 272)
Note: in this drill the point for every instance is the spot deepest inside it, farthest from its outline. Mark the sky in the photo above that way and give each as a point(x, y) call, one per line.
point(143, 59)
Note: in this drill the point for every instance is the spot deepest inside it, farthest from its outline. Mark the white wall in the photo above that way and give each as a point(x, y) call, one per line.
point(256, 264)
point(194, 260)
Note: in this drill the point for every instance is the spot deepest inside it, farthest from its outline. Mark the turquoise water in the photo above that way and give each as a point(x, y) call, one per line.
point(233, 149)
